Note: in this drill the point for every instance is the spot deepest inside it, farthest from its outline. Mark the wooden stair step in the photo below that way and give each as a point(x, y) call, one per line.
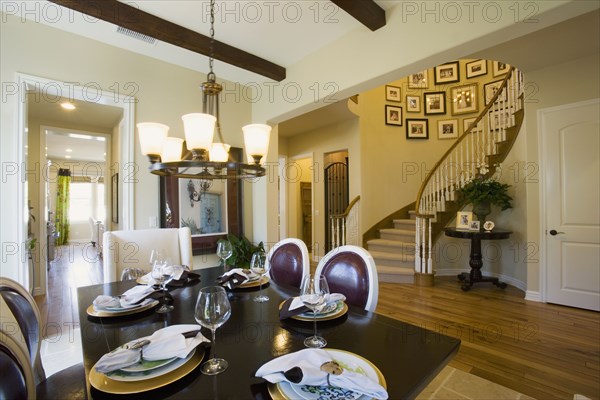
point(408, 224)
point(403, 235)
point(385, 245)
point(389, 258)
point(395, 274)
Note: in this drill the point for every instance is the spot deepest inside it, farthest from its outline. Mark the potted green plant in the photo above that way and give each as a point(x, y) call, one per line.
point(242, 251)
point(483, 193)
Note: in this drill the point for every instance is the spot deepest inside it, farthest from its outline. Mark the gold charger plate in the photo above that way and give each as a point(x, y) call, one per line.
point(105, 384)
point(91, 311)
point(338, 314)
point(254, 283)
point(277, 394)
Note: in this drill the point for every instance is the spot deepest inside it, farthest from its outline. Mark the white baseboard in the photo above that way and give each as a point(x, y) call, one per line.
point(509, 280)
point(533, 296)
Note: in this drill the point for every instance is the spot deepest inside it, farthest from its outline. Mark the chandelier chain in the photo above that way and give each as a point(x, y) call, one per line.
point(212, 36)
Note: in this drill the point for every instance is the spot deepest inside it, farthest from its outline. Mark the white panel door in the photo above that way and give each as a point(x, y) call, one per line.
point(571, 154)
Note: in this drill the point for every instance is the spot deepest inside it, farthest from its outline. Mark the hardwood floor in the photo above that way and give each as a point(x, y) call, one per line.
point(545, 351)
point(541, 350)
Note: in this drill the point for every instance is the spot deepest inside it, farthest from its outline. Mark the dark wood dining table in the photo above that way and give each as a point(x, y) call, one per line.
point(408, 356)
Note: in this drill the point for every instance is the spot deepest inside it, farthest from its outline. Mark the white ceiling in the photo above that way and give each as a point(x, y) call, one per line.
point(268, 29)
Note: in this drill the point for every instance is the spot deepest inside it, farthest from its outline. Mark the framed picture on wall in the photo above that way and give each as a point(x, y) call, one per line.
point(413, 104)
point(464, 99)
point(393, 115)
point(435, 103)
point(499, 68)
point(476, 68)
point(467, 123)
point(392, 93)
point(490, 90)
point(417, 129)
point(448, 129)
point(418, 80)
point(447, 73)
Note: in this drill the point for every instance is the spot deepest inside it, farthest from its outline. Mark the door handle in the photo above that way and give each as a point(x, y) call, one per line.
point(553, 232)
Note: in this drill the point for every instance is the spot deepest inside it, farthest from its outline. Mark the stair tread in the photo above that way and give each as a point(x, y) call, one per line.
point(383, 255)
point(397, 231)
point(388, 242)
point(404, 221)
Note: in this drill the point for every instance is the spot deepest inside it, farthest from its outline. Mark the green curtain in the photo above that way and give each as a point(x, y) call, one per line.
point(62, 206)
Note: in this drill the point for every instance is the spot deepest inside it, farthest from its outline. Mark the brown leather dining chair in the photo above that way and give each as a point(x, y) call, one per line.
point(288, 262)
point(351, 271)
point(17, 375)
point(68, 383)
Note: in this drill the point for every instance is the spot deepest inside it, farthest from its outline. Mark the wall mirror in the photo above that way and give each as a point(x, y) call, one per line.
point(211, 215)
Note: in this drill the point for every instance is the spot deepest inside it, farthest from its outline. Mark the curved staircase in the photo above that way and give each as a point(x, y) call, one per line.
point(401, 243)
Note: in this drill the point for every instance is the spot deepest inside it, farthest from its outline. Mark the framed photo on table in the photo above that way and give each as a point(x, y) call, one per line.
point(418, 80)
point(393, 115)
point(464, 219)
point(435, 103)
point(417, 128)
point(464, 99)
point(476, 68)
point(448, 129)
point(393, 93)
point(446, 73)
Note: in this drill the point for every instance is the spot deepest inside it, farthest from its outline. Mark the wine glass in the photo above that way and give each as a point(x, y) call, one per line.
point(258, 265)
point(313, 293)
point(224, 251)
point(213, 310)
point(162, 272)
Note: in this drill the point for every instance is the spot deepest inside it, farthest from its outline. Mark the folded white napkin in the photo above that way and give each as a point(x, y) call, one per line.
point(164, 344)
point(310, 361)
point(329, 298)
point(126, 300)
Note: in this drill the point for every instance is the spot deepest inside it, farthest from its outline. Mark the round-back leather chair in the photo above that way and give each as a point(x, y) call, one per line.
point(351, 271)
point(17, 375)
point(289, 262)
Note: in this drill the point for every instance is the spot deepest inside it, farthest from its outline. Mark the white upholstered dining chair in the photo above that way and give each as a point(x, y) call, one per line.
point(131, 249)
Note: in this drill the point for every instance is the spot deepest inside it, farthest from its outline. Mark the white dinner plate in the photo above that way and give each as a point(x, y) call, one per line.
point(167, 366)
point(349, 361)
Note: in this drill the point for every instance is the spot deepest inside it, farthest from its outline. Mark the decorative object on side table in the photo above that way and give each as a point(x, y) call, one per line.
point(488, 226)
point(483, 193)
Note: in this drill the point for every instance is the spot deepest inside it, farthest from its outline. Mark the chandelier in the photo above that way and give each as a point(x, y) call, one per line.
point(205, 159)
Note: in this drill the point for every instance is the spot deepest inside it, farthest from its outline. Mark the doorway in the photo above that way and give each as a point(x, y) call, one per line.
point(336, 189)
point(44, 99)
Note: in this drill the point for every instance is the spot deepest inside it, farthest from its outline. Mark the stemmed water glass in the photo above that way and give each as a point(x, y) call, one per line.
point(224, 251)
point(212, 311)
point(258, 265)
point(313, 293)
point(162, 272)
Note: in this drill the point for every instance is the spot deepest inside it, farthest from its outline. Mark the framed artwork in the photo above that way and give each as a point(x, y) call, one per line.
point(467, 122)
point(418, 80)
point(499, 68)
point(393, 115)
point(218, 213)
point(475, 226)
point(490, 90)
point(464, 219)
point(393, 93)
point(413, 104)
point(114, 199)
point(476, 68)
point(448, 129)
point(447, 73)
point(435, 103)
point(464, 99)
point(417, 129)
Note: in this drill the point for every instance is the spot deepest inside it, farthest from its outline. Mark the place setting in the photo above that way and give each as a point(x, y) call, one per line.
point(315, 372)
point(248, 278)
point(150, 362)
point(135, 300)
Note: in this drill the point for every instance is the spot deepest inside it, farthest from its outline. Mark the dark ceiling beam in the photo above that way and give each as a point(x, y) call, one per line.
point(367, 12)
point(132, 18)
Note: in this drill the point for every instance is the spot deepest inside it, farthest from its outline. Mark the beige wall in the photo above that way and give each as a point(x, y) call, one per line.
point(163, 91)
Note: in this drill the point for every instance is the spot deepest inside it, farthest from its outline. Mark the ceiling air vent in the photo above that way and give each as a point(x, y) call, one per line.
point(136, 35)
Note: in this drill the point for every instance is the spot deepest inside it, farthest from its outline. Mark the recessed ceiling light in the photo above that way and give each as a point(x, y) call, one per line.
point(80, 136)
point(67, 156)
point(100, 139)
point(67, 106)
point(69, 150)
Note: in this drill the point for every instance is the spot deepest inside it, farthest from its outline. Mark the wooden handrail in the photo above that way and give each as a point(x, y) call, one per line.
point(502, 86)
point(347, 211)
